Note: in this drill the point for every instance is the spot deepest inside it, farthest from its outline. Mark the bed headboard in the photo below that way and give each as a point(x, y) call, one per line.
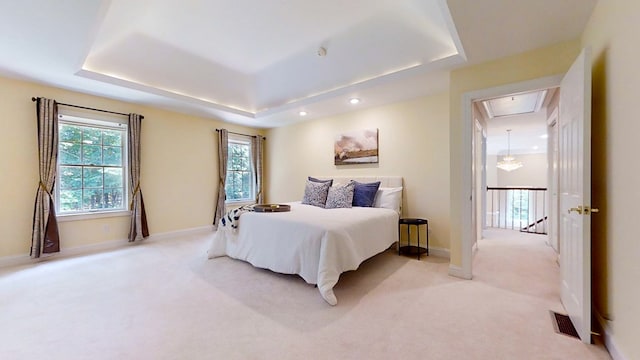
point(385, 181)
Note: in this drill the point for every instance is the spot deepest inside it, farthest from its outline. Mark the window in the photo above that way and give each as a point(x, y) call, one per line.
point(239, 183)
point(518, 207)
point(92, 166)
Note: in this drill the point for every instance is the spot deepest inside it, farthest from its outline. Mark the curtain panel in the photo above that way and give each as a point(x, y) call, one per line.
point(223, 156)
point(257, 144)
point(45, 237)
point(139, 228)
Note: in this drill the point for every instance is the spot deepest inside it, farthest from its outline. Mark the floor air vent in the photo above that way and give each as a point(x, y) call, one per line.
point(562, 324)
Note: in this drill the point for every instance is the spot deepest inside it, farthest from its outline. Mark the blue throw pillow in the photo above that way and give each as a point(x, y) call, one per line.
point(364, 194)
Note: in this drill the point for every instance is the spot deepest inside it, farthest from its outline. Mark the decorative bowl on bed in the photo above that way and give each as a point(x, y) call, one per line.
point(272, 208)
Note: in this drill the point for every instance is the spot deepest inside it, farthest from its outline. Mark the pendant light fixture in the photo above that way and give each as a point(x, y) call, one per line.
point(508, 162)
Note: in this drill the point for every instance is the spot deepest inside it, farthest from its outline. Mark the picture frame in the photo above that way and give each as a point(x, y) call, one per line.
point(356, 147)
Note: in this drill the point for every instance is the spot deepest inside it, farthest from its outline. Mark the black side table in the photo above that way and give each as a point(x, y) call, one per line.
point(409, 249)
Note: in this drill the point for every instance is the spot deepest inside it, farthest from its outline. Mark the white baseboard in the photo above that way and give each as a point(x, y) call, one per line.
point(457, 271)
point(18, 260)
point(184, 232)
point(607, 338)
point(64, 253)
point(439, 252)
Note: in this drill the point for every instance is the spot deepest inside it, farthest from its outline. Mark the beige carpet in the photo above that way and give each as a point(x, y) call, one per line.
point(165, 300)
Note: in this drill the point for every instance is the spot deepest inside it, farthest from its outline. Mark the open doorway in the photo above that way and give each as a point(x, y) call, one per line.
point(513, 165)
point(514, 162)
point(574, 185)
point(468, 204)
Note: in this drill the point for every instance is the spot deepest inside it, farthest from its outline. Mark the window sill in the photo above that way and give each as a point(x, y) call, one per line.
point(237, 204)
point(90, 216)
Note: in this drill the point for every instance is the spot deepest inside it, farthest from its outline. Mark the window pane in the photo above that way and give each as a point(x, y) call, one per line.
point(112, 137)
point(246, 184)
point(70, 200)
point(69, 153)
point(71, 178)
point(92, 136)
point(232, 186)
point(235, 157)
point(92, 177)
point(236, 163)
point(70, 133)
point(112, 155)
point(113, 178)
point(112, 198)
point(92, 199)
point(92, 155)
point(239, 185)
point(101, 183)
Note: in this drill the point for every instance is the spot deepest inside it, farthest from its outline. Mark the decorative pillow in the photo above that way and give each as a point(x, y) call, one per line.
point(340, 196)
point(315, 193)
point(330, 181)
point(364, 194)
point(389, 198)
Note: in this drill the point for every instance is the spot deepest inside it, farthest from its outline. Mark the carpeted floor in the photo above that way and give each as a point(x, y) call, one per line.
point(165, 300)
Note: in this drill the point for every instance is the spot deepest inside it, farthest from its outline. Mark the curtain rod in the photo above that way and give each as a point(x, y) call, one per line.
point(88, 108)
point(235, 133)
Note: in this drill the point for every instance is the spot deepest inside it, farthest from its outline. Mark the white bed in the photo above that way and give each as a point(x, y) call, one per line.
point(317, 244)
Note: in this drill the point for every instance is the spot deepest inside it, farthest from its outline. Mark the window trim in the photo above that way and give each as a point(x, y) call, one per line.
point(109, 124)
point(93, 215)
point(244, 140)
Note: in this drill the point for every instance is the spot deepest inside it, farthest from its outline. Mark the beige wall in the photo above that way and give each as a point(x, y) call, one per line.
point(612, 34)
point(179, 169)
point(531, 65)
point(179, 184)
point(413, 143)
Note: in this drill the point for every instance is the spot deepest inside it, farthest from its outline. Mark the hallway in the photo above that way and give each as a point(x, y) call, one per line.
point(519, 262)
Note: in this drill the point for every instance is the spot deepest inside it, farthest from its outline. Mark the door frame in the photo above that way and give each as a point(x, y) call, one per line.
point(467, 205)
point(552, 196)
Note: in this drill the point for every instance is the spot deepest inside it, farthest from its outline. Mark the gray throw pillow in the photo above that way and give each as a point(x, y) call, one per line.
point(316, 193)
point(330, 181)
point(340, 196)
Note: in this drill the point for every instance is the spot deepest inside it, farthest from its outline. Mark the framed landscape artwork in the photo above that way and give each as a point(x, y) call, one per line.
point(356, 147)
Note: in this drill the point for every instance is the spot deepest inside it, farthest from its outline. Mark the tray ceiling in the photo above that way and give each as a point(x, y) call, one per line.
point(252, 62)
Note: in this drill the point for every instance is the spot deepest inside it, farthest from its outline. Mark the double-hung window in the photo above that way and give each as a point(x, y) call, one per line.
point(239, 185)
point(92, 166)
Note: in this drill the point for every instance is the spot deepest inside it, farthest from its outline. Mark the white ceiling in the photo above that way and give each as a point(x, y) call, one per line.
point(525, 114)
point(256, 62)
point(527, 132)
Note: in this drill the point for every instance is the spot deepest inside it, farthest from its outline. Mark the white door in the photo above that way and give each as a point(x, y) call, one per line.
point(575, 193)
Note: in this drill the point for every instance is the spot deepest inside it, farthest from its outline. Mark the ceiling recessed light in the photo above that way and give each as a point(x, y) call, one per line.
point(354, 100)
point(544, 136)
point(535, 147)
point(303, 113)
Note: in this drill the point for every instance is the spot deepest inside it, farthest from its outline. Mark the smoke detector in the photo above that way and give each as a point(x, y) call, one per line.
point(322, 51)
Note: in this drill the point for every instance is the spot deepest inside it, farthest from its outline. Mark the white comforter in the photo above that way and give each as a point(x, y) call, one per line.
point(317, 244)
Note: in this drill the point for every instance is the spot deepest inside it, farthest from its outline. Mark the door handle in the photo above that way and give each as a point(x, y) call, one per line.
point(588, 210)
point(576, 209)
point(583, 210)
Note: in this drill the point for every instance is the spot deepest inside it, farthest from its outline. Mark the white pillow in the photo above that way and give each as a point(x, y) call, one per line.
point(388, 198)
